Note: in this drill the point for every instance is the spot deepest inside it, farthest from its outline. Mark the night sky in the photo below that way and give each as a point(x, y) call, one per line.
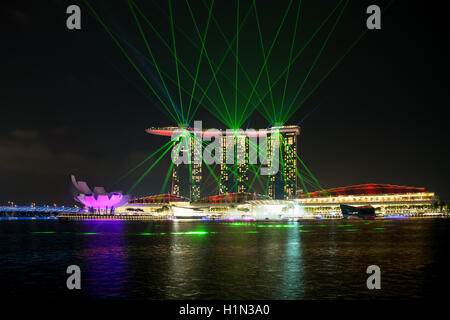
point(72, 104)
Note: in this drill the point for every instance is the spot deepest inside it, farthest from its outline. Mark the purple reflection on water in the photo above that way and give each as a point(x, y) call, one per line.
point(105, 260)
point(396, 217)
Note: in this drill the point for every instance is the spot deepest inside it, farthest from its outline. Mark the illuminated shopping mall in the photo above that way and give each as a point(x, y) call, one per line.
point(385, 198)
point(388, 200)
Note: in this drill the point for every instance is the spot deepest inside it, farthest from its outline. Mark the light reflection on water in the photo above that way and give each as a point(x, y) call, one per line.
point(292, 286)
point(207, 260)
point(105, 260)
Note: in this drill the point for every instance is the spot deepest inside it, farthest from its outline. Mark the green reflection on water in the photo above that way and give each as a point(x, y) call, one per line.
point(351, 229)
point(46, 232)
point(186, 233)
point(379, 228)
point(192, 232)
point(152, 234)
point(277, 225)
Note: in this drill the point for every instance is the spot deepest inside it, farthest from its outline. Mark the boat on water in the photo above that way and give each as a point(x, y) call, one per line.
point(362, 212)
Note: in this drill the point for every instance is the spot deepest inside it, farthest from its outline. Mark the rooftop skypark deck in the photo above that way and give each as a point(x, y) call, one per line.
point(168, 131)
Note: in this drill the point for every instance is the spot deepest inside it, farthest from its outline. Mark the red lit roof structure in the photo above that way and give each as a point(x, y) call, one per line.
point(160, 198)
point(234, 198)
point(363, 189)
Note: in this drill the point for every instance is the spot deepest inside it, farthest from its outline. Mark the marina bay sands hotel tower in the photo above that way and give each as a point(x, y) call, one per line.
point(234, 177)
point(283, 184)
point(187, 178)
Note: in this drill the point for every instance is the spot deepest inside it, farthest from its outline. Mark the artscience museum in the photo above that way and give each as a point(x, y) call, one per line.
point(98, 201)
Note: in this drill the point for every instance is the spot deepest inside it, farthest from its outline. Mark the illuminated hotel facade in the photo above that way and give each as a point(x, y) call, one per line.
point(234, 177)
point(186, 179)
point(283, 184)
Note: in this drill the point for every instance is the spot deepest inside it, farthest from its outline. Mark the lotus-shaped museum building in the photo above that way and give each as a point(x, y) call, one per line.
point(98, 201)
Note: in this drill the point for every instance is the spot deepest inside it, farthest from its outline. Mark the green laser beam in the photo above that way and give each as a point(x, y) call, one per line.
point(147, 171)
point(176, 57)
point(183, 66)
point(210, 64)
point(143, 161)
point(299, 53)
point(95, 15)
point(242, 69)
point(318, 55)
point(236, 63)
point(268, 54)
point(264, 54)
point(141, 31)
point(200, 56)
point(338, 61)
point(291, 51)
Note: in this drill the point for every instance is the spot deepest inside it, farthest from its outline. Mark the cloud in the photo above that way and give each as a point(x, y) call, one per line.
point(24, 134)
point(18, 16)
point(32, 152)
point(38, 164)
point(24, 152)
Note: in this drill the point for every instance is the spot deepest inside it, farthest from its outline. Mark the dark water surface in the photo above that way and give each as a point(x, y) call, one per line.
point(209, 260)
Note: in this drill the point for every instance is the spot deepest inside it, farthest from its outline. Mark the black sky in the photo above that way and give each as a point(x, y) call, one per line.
point(67, 108)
